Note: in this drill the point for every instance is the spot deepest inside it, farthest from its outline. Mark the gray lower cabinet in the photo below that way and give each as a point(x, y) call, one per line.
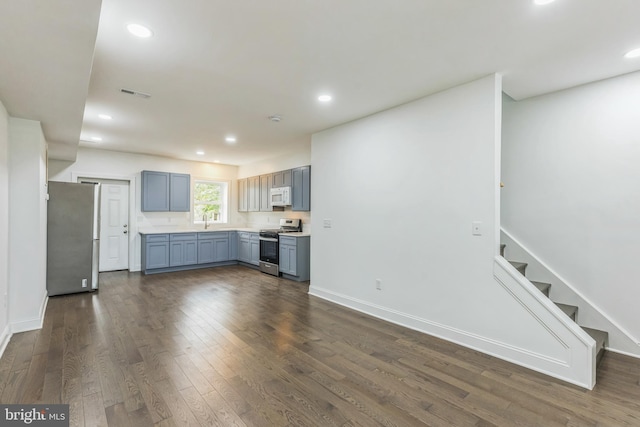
point(249, 248)
point(215, 247)
point(294, 257)
point(183, 249)
point(301, 189)
point(155, 251)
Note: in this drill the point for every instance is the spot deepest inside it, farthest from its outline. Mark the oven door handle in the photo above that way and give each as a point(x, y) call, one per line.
point(269, 239)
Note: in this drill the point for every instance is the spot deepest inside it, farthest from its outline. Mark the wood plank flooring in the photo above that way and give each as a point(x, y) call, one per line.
point(233, 347)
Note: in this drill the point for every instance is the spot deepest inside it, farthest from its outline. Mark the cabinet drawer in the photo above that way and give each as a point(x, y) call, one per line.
point(284, 240)
point(156, 238)
point(213, 235)
point(183, 237)
point(254, 237)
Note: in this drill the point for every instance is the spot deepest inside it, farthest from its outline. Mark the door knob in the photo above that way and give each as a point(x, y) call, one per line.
point(125, 226)
point(125, 232)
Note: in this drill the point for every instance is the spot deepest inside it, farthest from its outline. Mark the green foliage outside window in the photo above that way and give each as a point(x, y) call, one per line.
point(207, 200)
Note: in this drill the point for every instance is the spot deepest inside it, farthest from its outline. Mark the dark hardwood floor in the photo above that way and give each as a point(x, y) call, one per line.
point(231, 346)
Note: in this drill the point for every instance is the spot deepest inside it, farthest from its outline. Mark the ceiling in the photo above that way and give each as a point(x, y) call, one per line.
point(218, 68)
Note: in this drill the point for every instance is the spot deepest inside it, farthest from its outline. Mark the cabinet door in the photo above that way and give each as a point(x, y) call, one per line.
point(288, 259)
point(301, 189)
point(254, 194)
point(176, 254)
point(190, 252)
point(265, 193)
point(255, 252)
point(155, 191)
point(244, 252)
point(281, 179)
point(205, 251)
point(233, 245)
point(243, 195)
point(180, 192)
point(156, 255)
point(221, 249)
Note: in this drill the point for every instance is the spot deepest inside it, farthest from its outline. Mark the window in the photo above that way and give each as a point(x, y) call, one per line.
point(210, 201)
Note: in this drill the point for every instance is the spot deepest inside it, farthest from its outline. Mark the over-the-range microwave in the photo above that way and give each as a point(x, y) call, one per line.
point(281, 196)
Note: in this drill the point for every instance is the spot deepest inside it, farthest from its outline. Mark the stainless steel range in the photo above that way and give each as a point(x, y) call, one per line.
point(270, 245)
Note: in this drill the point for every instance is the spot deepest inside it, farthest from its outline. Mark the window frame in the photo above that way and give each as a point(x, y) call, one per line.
point(223, 201)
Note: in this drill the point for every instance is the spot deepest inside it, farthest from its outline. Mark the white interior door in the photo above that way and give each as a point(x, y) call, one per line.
point(114, 227)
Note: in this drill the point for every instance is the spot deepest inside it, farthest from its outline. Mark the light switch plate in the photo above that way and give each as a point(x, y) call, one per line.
point(326, 223)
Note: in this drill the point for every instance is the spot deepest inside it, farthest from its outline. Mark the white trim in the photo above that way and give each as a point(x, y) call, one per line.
point(133, 218)
point(504, 351)
point(31, 325)
point(5, 337)
point(564, 282)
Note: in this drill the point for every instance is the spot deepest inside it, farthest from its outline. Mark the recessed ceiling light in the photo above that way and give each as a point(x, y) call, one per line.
point(216, 161)
point(105, 116)
point(325, 98)
point(230, 139)
point(139, 30)
point(543, 2)
point(96, 138)
point(200, 153)
point(635, 53)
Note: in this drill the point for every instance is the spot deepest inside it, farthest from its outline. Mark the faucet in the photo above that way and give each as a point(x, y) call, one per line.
point(206, 221)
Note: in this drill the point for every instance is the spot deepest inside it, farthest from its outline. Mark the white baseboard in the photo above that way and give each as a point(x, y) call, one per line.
point(507, 352)
point(5, 336)
point(33, 324)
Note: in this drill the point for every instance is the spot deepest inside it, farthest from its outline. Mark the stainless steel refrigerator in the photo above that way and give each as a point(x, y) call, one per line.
point(73, 237)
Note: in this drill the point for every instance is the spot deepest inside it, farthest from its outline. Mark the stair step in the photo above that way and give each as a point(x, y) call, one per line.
point(543, 287)
point(569, 310)
point(502, 246)
point(520, 266)
point(601, 338)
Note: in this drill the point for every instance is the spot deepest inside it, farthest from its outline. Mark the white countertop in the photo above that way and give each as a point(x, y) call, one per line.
point(174, 230)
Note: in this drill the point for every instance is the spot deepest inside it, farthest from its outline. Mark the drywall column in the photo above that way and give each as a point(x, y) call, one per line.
point(27, 225)
point(5, 331)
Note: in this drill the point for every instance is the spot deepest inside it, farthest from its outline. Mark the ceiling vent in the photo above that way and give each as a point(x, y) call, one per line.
point(136, 93)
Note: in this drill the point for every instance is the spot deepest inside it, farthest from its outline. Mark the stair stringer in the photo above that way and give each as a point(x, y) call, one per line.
point(589, 314)
point(577, 364)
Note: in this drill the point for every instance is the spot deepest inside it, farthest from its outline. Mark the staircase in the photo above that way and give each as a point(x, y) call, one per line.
point(600, 337)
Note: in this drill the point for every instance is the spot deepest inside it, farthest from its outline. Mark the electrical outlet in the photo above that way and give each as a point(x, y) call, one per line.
point(379, 284)
point(84, 283)
point(476, 228)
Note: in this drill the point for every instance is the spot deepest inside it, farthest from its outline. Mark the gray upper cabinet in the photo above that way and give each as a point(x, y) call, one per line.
point(281, 179)
point(163, 192)
point(179, 195)
point(265, 193)
point(253, 185)
point(155, 191)
point(243, 195)
point(301, 189)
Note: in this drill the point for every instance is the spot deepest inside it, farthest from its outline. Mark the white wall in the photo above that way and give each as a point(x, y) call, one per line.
point(570, 167)
point(27, 225)
point(401, 189)
point(4, 227)
point(301, 157)
point(117, 165)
